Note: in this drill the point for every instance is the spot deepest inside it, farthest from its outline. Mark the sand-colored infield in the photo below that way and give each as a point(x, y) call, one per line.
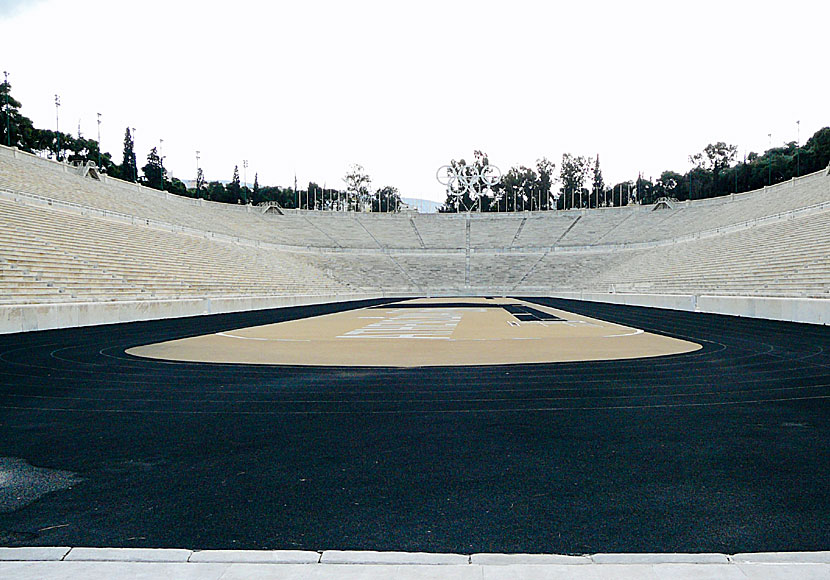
point(425, 332)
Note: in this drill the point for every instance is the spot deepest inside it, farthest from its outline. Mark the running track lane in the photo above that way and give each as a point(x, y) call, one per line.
point(724, 449)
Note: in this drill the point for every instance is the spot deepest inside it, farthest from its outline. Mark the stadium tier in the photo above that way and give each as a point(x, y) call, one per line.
point(70, 239)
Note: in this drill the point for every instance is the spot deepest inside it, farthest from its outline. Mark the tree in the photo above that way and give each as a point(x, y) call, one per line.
point(86, 150)
point(128, 169)
point(200, 182)
point(358, 184)
point(234, 189)
point(177, 187)
point(16, 130)
point(468, 190)
point(817, 151)
point(714, 158)
point(572, 174)
point(256, 194)
point(283, 196)
point(620, 193)
point(386, 199)
point(217, 192)
point(154, 172)
point(545, 169)
point(60, 143)
point(645, 191)
point(517, 190)
point(521, 188)
point(597, 183)
point(670, 184)
point(316, 199)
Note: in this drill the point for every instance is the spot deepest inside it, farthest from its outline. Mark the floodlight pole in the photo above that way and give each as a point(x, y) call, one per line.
point(161, 164)
point(57, 126)
point(798, 150)
point(99, 140)
point(135, 165)
point(8, 125)
point(197, 174)
point(245, 178)
point(769, 161)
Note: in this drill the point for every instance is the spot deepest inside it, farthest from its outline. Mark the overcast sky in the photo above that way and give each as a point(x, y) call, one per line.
point(401, 88)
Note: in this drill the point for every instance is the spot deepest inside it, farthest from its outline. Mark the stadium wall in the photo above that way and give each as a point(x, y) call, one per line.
point(808, 310)
point(31, 317)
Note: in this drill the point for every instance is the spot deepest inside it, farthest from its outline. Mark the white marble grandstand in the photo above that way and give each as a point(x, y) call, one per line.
point(67, 238)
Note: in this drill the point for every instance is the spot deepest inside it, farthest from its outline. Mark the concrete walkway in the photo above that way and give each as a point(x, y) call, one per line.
point(164, 564)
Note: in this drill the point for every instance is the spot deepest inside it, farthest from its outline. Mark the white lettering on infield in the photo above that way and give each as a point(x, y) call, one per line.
point(429, 323)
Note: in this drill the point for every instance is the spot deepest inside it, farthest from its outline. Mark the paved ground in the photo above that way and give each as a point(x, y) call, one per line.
point(725, 449)
point(96, 563)
point(425, 332)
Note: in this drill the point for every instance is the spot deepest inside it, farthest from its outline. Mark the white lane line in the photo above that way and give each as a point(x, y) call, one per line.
point(266, 339)
point(636, 331)
point(387, 336)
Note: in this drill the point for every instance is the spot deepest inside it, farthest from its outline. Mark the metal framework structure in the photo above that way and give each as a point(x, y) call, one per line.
point(469, 180)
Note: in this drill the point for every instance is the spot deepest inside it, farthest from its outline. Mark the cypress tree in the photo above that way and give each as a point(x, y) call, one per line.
point(255, 191)
point(234, 189)
point(128, 170)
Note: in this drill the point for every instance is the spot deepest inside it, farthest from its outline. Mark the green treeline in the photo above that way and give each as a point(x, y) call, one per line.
point(716, 171)
point(579, 183)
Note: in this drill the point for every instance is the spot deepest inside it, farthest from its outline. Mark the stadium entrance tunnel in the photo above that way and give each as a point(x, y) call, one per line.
point(422, 333)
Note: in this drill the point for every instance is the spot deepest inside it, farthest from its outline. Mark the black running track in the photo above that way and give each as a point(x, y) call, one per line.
point(724, 449)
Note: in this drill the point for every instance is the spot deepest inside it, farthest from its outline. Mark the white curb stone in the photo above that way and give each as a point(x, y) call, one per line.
point(35, 563)
point(369, 557)
point(34, 554)
point(535, 559)
point(660, 558)
point(783, 557)
point(783, 571)
point(255, 557)
point(127, 555)
point(699, 572)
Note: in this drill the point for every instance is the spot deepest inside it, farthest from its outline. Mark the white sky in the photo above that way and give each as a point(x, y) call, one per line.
point(402, 88)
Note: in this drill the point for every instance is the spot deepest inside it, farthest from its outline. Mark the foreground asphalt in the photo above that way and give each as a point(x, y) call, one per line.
point(723, 450)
